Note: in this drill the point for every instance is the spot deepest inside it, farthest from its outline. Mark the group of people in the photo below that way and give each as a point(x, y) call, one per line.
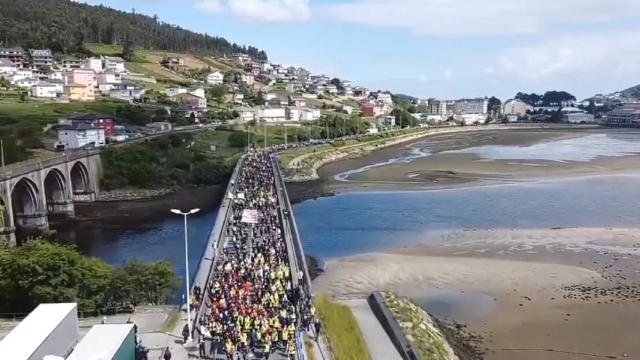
point(252, 301)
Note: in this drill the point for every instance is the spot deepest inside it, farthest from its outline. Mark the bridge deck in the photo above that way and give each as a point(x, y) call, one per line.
point(253, 272)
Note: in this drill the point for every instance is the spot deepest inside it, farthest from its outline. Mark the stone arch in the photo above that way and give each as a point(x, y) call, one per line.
point(80, 183)
point(57, 195)
point(25, 197)
point(28, 208)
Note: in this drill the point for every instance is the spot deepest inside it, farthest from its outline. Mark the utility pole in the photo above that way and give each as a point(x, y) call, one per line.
point(309, 128)
point(2, 153)
point(285, 134)
point(265, 135)
point(344, 133)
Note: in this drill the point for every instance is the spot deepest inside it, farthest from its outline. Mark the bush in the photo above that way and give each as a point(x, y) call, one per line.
point(238, 139)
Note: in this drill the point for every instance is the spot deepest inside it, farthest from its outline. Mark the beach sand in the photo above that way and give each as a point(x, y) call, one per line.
point(559, 293)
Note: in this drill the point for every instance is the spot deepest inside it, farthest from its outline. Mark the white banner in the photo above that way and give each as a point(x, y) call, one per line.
point(250, 216)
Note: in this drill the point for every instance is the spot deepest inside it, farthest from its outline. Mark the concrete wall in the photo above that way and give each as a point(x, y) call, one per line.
point(391, 327)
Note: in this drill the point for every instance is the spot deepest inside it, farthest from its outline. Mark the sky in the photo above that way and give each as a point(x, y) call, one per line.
point(432, 48)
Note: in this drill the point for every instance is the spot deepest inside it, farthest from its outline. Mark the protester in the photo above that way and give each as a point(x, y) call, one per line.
point(251, 305)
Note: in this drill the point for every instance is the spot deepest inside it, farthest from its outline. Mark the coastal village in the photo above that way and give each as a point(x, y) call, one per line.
point(170, 194)
point(250, 91)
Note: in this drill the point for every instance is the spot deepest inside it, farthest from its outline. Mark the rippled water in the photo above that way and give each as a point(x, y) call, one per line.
point(353, 223)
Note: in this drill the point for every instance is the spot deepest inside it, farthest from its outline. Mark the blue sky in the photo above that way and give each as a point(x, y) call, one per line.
point(432, 48)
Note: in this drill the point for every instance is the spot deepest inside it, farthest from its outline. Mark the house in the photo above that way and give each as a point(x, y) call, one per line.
point(386, 122)
point(310, 114)
point(81, 77)
point(174, 63)
point(245, 114)
point(240, 59)
point(47, 90)
point(269, 96)
point(108, 81)
point(56, 75)
point(215, 78)
point(119, 134)
point(72, 63)
point(297, 101)
point(373, 129)
point(278, 101)
point(271, 114)
point(360, 92)
point(102, 121)
point(190, 100)
point(247, 79)
point(7, 67)
point(159, 127)
point(331, 89)
point(94, 64)
point(471, 106)
point(295, 87)
point(371, 110)
point(515, 107)
point(625, 115)
point(293, 113)
point(253, 68)
point(115, 64)
point(578, 118)
point(383, 98)
point(471, 119)
point(26, 83)
point(80, 135)
point(15, 55)
point(346, 108)
point(191, 112)
point(173, 91)
point(41, 58)
point(128, 92)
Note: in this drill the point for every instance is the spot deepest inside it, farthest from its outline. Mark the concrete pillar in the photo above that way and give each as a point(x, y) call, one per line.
point(33, 222)
point(8, 232)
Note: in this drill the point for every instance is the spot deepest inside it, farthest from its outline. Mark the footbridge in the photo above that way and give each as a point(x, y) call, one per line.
point(33, 191)
point(220, 248)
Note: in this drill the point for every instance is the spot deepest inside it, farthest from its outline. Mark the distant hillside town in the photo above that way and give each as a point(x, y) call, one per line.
point(243, 89)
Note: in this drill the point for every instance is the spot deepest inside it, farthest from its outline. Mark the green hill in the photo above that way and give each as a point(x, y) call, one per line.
point(64, 26)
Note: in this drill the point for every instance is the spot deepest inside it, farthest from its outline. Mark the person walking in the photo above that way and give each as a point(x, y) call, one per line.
point(202, 353)
point(167, 354)
point(185, 333)
point(318, 326)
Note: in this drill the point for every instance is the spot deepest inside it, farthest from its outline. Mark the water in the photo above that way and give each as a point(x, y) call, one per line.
point(460, 306)
point(352, 223)
point(161, 239)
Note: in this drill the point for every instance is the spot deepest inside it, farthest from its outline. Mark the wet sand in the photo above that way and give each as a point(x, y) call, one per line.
point(559, 294)
point(444, 168)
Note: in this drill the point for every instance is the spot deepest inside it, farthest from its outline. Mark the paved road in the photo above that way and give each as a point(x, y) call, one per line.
point(378, 342)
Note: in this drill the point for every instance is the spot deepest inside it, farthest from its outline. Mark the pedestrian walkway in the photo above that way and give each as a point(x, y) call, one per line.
point(378, 342)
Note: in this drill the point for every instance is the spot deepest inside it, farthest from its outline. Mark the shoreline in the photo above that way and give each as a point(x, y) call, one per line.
point(359, 150)
point(554, 290)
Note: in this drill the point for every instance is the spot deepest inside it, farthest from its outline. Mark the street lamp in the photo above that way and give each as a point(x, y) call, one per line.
point(186, 261)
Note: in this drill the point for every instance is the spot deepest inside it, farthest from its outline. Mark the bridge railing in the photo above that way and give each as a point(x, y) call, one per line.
point(24, 167)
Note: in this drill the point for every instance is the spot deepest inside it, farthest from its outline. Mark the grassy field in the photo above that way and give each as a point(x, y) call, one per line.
point(12, 112)
point(342, 329)
point(104, 49)
point(220, 139)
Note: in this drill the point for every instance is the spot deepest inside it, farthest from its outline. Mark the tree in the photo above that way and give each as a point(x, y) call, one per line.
point(238, 139)
point(217, 92)
point(127, 51)
point(494, 106)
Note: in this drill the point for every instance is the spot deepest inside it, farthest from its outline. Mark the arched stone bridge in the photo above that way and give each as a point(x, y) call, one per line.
point(33, 191)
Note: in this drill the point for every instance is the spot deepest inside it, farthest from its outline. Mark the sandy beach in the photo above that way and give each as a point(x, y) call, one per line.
point(559, 294)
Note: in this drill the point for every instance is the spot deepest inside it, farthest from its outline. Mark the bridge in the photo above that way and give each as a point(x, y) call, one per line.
point(33, 191)
point(223, 245)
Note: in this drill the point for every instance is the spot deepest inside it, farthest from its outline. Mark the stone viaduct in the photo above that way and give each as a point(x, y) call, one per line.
point(33, 191)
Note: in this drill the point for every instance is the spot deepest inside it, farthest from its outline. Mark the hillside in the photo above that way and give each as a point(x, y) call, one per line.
point(64, 25)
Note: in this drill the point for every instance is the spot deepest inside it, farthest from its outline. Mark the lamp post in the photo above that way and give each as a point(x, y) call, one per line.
point(186, 262)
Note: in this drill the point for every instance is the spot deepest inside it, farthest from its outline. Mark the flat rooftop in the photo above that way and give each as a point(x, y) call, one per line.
point(25, 338)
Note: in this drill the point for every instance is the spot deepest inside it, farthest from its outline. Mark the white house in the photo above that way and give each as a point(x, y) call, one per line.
point(7, 67)
point(20, 75)
point(26, 83)
point(215, 78)
point(238, 98)
point(384, 98)
point(386, 122)
point(247, 79)
point(271, 114)
point(293, 113)
point(56, 75)
point(114, 64)
point(128, 92)
point(346, 108)
point(470, 119)
point(309, 114)
point(173, 91)
point(515, 107)
point(94, 64)
point(46, 90)
point(245, 113)
point(79, 135)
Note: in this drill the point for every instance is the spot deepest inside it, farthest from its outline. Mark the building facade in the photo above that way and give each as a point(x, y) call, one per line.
point(515, 107)
point(41, 58)
point(80, 135)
